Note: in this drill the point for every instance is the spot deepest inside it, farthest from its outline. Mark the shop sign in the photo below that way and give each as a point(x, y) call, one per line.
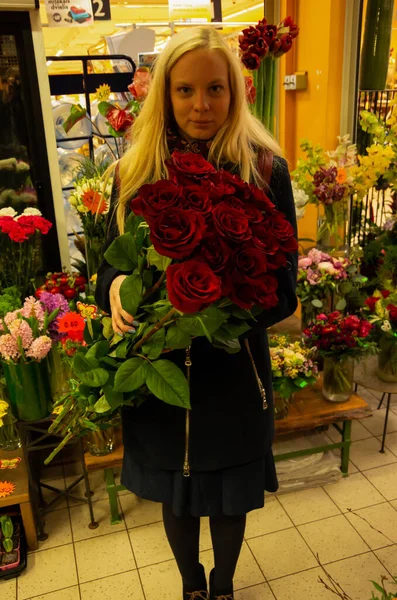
point(68, 13)
point(194, 11)
point(101, 10)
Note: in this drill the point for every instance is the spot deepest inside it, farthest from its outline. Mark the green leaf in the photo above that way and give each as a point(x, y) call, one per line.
point(317, 303)
point(231, 346)
point(104, 107)
point(115, 399)
point(177, 339)
point(98, 349)
point(211, 317)
point(341, 305)
point(122, 253)
point(155, 259)
point(89, 371)
point(131, 292)
point(102, 405)
point(77, 112)
point(130, 375)
point(168, 383)
point(108, 360)
point(240, 313)
point(229, 331)
point(122, 349)
point(107, 328)
point(345, 288)
point(155, 345)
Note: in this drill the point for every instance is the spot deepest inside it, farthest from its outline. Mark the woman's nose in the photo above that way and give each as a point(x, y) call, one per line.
point(201, 101)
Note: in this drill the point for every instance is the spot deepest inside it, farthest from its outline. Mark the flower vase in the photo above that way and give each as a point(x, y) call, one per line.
point(331, 226)
point(101, 442)
point(9, 436)
point(29, 390)
point(59, 372)
point(387, 360)
point(281, 405)
point(338, 378)
point(264, 81)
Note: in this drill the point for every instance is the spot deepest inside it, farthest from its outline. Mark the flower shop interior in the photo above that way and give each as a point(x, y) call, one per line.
point(74, 77)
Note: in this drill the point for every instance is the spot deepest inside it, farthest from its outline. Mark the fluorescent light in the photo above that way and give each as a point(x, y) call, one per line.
point(59, 53)
point(48, 63)
point(241, 12)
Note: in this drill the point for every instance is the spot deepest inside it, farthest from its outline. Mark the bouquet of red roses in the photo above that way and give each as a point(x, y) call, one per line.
point(20, 247)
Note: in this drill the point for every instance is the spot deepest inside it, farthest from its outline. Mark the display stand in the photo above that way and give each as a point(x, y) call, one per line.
point(46, 441)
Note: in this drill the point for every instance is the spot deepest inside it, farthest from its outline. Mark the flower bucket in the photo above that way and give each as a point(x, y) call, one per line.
point(9, 436)
point(101, 442)
point(281, 405)
point(338, 379)
point(29, 390)
point(387, 364)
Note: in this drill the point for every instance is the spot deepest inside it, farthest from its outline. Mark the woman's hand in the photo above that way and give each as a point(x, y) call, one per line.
point(122, 322)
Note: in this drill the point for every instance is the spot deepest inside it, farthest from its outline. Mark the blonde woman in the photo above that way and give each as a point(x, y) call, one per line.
point(197, 104)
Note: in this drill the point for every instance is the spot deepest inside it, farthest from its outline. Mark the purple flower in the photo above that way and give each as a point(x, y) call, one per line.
point(50, 303)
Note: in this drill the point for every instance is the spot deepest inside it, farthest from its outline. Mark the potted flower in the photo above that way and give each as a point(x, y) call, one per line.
point(10, 555)
point(340, 340)
point(293, 369)
point(382, 309)
point(24, 344)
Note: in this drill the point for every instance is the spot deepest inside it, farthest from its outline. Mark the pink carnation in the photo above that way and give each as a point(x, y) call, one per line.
point(21, 329)
point(304, 262)
point(9, 347)
point(318, 256)
point(33, 308)
point(40, 348)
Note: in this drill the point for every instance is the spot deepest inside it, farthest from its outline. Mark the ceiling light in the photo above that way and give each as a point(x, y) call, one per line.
point(241, 12)
point(59, 53)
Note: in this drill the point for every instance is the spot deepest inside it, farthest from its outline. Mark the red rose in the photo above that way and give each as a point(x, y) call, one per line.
point(187, 167)
point(231, 223)
point(253, 214)
point(285, 44)
point(260, 199)
point(263, 294)
point(249, 265)
point(264, 239)
point(119, 119)
point(278, 260)
point(192, 286)
point(215, 252)
point(250, 90)
point(392, 308)
point(290, 245)
point(155, 197)
point(177, 232)
point(261, 48)
point(251, 61)
point(328, 330)
point(233, 184)
point(365, 329)
point(279, 225)
point(370, 302)
point(196, 197)
point(351, 322)
point(385, 293)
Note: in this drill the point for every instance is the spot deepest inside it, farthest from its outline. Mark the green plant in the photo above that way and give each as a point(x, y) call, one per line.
point(7, 529)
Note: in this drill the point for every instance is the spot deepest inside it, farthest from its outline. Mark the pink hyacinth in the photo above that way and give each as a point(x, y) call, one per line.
point(21, 329)
point(40, 348)
point(9, 347)
point(33, 308)
point(12, 316)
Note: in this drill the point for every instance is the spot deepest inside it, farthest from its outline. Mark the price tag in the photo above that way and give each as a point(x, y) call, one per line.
point(71, 321)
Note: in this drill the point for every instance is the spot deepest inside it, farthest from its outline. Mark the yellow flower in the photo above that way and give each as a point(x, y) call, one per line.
point(94, 278)
point(57, 409)
point(3, 409)
point(103, 92)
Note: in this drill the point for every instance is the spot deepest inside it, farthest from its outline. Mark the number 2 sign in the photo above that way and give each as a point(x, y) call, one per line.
point(101, 10)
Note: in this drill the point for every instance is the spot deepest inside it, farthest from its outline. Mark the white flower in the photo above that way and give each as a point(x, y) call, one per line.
point(386, 326)
point(32, 211)
point(300, 199)
point(8, 212)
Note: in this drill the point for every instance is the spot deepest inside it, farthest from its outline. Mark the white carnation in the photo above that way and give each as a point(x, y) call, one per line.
point(300, 199)
point(32, 211)
point(8, 212)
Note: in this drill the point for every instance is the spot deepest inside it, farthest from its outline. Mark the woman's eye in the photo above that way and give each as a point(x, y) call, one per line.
point(184, 89)
point(216, 88)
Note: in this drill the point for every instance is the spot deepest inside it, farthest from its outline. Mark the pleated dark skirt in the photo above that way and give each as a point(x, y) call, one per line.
point(232, 491)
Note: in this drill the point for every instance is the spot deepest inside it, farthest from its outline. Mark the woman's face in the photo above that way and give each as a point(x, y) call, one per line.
point(200, 93)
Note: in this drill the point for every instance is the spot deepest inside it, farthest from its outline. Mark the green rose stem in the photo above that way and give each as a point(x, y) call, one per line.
point(155, 287)
point(158, 326)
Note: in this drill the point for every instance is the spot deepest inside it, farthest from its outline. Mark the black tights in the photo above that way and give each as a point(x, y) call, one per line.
point(183, 534)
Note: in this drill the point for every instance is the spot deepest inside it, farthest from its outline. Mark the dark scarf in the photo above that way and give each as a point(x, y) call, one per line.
point(176, 142)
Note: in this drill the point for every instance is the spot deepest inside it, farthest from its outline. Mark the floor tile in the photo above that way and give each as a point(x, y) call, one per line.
point(358, 432)
point(71, 593)
point(390, 442)
point(388, 557)
point(48, 495)
point(365, 454)
point(369, 396)
point(382, 518)
point(8, 589)
point(138, 512)
point(282, 553)
point(164, 577)
point(104, 556)
point(354, 574)
point(333, 539)
point(385, 480)
point(57, 525)
point(247, 573)
point(51, 472)
point(376, 423)
point(302, 586)
point(308, 505)
point(353, 492)
point(150, 544)
point(352, 468)
point(257, 592)
point(80, 518)
point(97, 485)
point(48, 571)
point(269, 519)
point(205, 535)
point(124, 585)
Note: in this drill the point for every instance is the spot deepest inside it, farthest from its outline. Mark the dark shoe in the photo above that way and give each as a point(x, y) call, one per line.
point(219, 594)
point(200, 592)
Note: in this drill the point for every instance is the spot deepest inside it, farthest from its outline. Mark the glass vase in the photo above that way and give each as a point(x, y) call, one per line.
point(101, 442)
point(338, 378)
point(331, 227)
point(387, 362)
point(9, 436)
point(281, 405)
point(29, 390)
point(60, 373)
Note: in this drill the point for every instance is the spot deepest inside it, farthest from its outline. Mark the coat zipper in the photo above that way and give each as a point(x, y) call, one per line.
point(260, 384)
point(186, 465)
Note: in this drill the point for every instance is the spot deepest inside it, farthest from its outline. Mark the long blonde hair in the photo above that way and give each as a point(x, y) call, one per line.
point(235, 142)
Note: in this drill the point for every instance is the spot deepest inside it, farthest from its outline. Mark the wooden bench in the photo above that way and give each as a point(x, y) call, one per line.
point(308, 411)
point(19, 477)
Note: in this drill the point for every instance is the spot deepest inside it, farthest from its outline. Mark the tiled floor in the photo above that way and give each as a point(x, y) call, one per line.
point(346, 531)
